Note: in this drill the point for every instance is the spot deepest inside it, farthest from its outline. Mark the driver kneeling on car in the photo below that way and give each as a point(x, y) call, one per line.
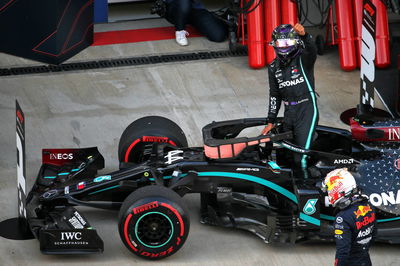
point(355, 224)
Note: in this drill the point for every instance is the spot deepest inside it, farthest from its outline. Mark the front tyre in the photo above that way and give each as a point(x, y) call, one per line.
point(153, 222)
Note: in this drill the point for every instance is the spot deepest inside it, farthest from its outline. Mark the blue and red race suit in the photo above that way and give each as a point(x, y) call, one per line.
point(355, 229)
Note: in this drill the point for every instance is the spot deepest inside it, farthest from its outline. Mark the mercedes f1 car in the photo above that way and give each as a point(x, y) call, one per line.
point(244, 182)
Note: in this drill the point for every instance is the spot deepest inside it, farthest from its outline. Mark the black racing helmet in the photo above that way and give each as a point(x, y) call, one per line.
point(286, 42)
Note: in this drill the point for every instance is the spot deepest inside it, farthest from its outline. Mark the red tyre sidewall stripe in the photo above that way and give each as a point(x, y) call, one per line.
point(172, 143)
point(177, 215)
point(128, 151)
point(128, 218)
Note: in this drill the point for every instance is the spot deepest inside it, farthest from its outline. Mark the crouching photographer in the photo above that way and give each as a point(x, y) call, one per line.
point(183, 12)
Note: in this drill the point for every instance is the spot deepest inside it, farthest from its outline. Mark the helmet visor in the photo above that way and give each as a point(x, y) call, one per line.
point(283, 43)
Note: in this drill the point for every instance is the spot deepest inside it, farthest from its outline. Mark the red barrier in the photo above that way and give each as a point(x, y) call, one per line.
point(272, 20)
point(344, 19)
point(382, 58)
point(255, 35)
point(358, 15)
point(289, 12)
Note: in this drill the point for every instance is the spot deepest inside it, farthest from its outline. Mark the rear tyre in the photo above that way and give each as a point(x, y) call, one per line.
point(153, 222)
point(136, 141)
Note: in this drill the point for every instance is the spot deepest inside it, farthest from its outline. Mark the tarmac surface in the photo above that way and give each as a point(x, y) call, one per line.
point(92, 108)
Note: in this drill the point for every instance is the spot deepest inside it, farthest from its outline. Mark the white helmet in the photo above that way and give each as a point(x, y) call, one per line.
point(339, 184)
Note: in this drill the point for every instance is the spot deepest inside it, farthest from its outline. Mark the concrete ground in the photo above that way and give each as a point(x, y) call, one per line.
point(92, 108)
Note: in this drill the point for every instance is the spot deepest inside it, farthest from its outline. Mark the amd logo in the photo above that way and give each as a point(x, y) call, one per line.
point(343, 161)
point(71, 235)
point(61, 156)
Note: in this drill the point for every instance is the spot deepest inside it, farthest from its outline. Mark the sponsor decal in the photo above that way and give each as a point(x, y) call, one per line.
point(290, 147)
point(248, 169)
point(80, 218)
point(362, 210)
point(81, 185)
point(273, 104)
point(338, 232)
point(295, 73)
point(339, 220)
point(365, 232)
point(397, 164)
point(365, 241)
point(173, 156)
point(61, 156)
point(71, 235)
point(145, 207)
point(50, 194)
point(71, 238)
point(389, 198)
point(224, 189)
point(339, 226)
point(157, 255)
point(66, 190)
point(102, 178)
point(394, 133)
point(309, 207)
point(367, 220)
point(75, 223)
point(343, 161)
point(291, 82)
point(155, 139)
point(278, 73)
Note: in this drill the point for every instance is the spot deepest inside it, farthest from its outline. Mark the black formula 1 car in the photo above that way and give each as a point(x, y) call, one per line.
point(244, 182)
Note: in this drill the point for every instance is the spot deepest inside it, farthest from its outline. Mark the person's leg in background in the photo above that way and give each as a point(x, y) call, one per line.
point(178, 12)
point(209, 25)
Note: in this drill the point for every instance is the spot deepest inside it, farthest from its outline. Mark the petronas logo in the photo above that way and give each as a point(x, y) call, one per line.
point(309, 207)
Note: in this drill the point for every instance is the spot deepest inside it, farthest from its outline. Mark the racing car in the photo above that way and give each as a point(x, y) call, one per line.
point(244, 182)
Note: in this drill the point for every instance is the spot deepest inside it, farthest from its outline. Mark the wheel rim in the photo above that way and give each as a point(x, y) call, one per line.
point(140, 149)
point(154, 229)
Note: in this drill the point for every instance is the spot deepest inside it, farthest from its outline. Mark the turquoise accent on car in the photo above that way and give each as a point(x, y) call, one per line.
point(104, 189)
point(75, 170)
point(310, 219)
point(170, 222)
point(102, 178)
point(49, 177)
point(167, 177)
point(331, 218)
point(388, 220)
point(65, 173)
point(254, 179)
point(314, 119)
point(327, 217)
point(274, 165)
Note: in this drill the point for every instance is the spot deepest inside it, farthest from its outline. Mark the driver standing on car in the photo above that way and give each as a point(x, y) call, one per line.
point(291, 81)
point(355, 224)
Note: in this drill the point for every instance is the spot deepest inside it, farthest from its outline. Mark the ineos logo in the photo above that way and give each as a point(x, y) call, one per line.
point(71, 235)
point(61, 156)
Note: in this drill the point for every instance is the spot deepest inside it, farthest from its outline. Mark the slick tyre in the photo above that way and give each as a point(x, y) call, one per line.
point(135, 144)
point(153, 222)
